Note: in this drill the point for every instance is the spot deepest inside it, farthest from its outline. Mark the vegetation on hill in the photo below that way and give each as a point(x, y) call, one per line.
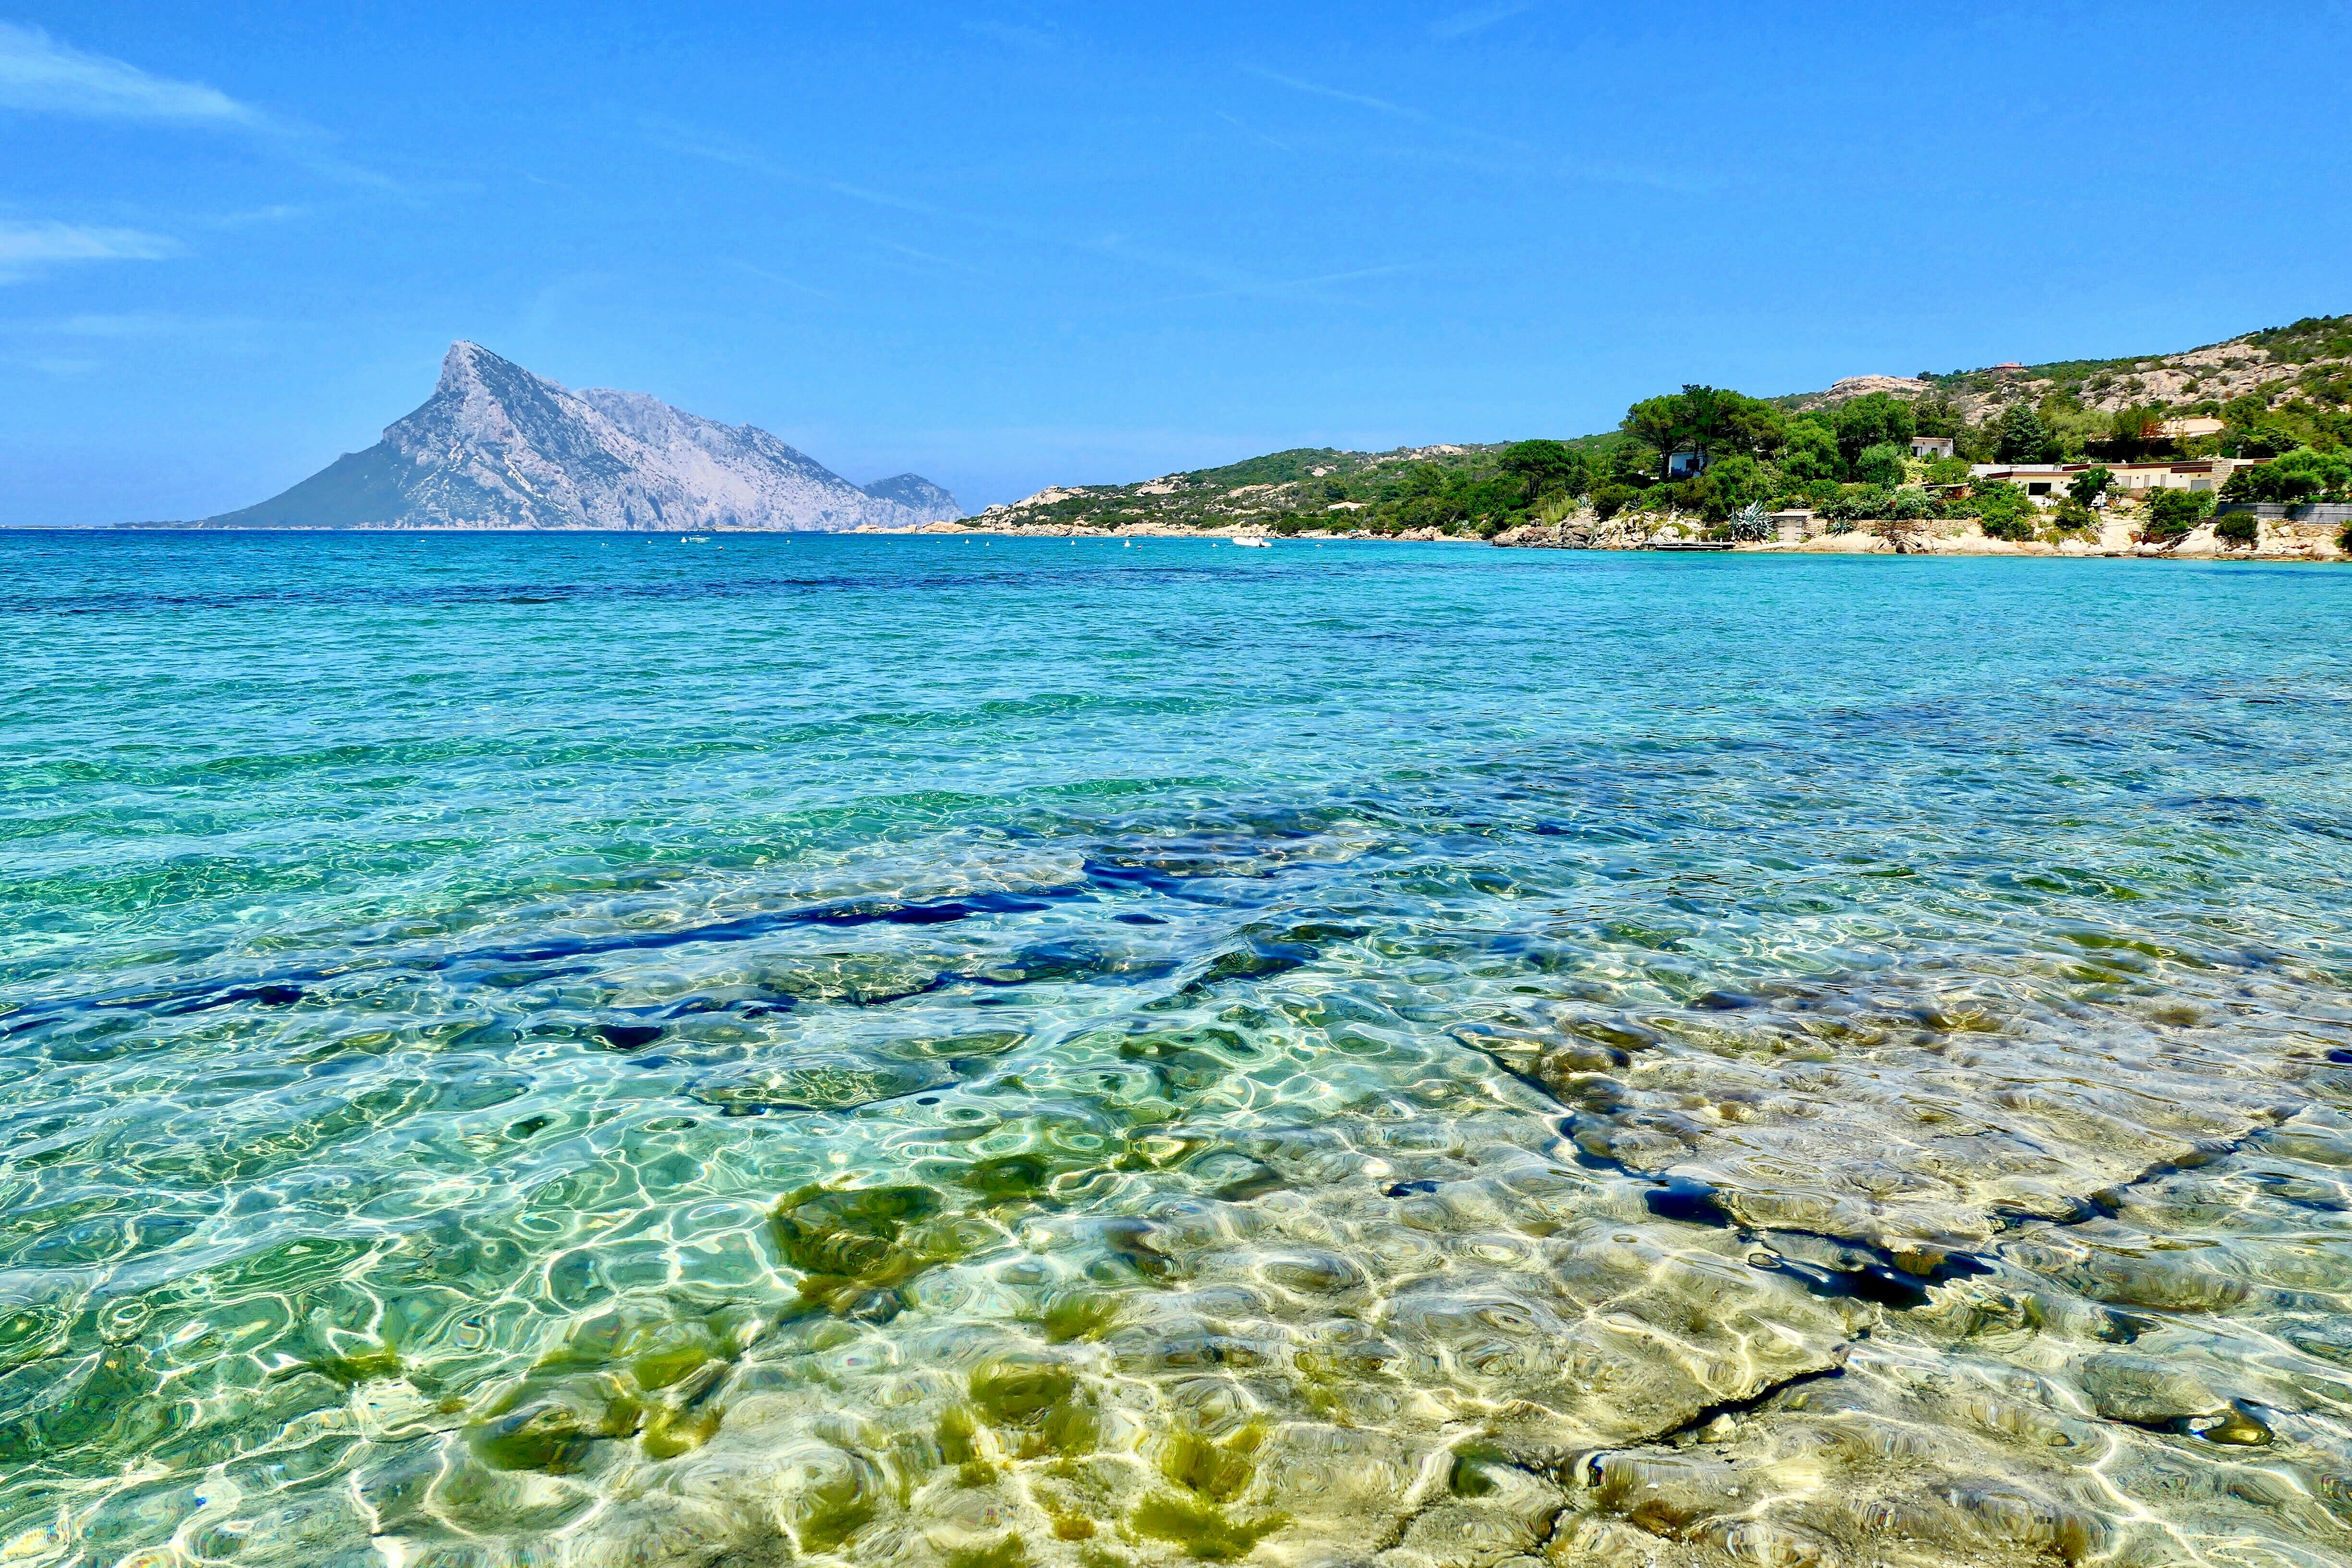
point(2276, 389)
point(2283, 392)
point(1452, 489)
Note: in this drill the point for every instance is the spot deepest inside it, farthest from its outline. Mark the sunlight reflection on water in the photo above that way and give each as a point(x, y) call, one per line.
point(542, 1050)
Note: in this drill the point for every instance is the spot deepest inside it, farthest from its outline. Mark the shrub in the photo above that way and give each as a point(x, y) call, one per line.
point(1911, 504)
point(1608, 500)
point(2171, 514)
point(1857, 502)
point(2237, 529)
point(1948, 471)
point(2003, 511)
point(1881, 465)
point(2090, 485)
point(2071, 513)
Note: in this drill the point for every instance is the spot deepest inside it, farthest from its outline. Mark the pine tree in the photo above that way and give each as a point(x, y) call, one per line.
point(2023, 439)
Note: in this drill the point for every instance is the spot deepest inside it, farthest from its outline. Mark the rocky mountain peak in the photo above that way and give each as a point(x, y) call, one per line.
point(497, 446)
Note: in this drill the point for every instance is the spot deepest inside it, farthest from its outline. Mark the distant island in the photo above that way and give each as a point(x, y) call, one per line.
point(2236, 447)
point(497, 448)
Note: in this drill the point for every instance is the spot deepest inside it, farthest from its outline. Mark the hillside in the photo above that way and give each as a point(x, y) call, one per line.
point(2308, 362)
point(1317, 485)
point(2277, 387)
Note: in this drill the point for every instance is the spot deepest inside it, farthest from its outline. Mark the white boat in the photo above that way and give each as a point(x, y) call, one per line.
point(1255, 544)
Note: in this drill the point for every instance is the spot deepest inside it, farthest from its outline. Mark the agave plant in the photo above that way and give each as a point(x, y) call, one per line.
point(1750, 524)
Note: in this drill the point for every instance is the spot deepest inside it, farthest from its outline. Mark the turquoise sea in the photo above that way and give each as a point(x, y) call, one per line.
point(609, 1049)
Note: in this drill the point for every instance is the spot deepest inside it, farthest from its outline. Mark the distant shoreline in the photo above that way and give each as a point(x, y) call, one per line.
point(2273, 544)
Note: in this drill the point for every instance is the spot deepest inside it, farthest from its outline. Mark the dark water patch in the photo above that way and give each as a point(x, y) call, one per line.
point(1072, 960)
point(282, 990)
point(1882, 1283)
point(1690, 1202)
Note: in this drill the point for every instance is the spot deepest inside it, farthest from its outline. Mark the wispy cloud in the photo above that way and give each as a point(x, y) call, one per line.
point(1361, 100)
point(947, 262)
point(26, 249)
point(1216, 274)
point(695, 144)
point(40, 74)
point(1287, 288)
point(1461, 23)
point(781, 281)
point(1503, 155)
point(1251, 130)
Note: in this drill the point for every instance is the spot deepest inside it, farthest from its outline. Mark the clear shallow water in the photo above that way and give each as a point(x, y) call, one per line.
point(583, 1050)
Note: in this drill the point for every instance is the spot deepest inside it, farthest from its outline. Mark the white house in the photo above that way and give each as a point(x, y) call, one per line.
point(1931, 446)
point(2048, 482)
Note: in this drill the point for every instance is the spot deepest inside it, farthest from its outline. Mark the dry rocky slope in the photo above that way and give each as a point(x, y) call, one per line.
point(2309, 360)
point(497, 448)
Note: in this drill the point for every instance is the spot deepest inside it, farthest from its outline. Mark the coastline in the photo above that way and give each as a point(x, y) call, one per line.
point(2115, 539)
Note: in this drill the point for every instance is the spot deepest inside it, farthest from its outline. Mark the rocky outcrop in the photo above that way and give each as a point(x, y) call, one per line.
point(497, 448)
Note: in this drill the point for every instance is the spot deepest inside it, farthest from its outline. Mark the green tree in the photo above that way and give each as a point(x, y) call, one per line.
point(2135, 431)
point(1875, 419)
point(1948, 471)
point(1628, 462)
point(1656, 424)
point(1738, 480)
point(2301, 474)
point(1708, 419)
point(1936, 416)
point(2073, 429)
point(1611, 499)
point(2090, 484)
point(2020, 437)
point(1810, 452)
point(1546, 467)
point(1881, 465)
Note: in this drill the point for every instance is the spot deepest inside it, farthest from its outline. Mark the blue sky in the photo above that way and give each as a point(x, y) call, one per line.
point(1009, 246)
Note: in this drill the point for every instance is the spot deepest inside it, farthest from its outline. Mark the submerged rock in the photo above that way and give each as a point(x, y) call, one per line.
point(820, 1085)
